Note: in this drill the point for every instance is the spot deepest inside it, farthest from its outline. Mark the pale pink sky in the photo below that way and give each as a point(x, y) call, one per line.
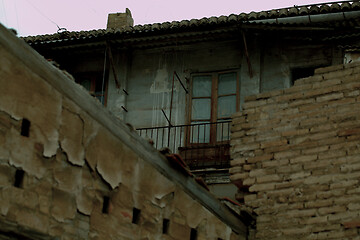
point(34, 17)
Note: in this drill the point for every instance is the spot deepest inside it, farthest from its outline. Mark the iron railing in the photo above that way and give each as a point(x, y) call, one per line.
point(201, 145)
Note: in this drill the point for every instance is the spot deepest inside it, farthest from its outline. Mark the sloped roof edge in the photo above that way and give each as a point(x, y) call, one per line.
point(275, 16)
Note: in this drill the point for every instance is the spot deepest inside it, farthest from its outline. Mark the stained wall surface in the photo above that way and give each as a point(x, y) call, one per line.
point(144, 71)
point(66, 175)
point(296, 157)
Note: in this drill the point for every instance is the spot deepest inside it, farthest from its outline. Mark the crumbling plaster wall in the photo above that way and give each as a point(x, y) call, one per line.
point(73, 163)
point(296, 157)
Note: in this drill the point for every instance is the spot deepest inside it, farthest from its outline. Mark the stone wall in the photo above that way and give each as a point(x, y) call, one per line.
point(296, 157)
point(64, 174)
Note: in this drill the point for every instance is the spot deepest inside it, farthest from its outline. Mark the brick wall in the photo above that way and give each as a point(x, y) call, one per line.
point(65, 175)
point(296, 157)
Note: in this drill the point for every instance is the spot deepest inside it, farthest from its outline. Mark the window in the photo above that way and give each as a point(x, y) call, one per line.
point(214, 98)
point(95, 83)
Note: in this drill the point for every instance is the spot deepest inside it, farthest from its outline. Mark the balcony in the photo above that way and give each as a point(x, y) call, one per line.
point(202, 145)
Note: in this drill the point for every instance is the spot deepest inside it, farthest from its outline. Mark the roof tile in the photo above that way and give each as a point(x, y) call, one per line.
point(193, 23)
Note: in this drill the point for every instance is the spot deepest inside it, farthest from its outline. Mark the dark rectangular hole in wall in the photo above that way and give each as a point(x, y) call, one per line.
point(298, 73)
point(136, 216)
point(106, 202)
point(25, 127)
point(19, 177)
point(165, 228)
point(193, 234)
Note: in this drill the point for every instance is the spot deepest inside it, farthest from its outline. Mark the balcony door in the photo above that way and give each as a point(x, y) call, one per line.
point(214, 98)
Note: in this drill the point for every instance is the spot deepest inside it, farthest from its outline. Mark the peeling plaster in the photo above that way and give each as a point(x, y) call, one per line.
point(71, 137)
point(22, 154)
point(161, 82)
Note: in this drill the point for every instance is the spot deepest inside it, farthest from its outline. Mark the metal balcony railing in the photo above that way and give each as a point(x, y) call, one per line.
point(201, 145)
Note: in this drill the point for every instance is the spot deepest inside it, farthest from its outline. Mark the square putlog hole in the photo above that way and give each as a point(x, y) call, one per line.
point(136, 216)
point(25, 128)
point(19, 178)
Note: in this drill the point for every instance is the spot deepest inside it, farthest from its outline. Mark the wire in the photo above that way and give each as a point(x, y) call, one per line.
point(3, 4)
point(103, 79)
point(59, 28)
point(17, 17)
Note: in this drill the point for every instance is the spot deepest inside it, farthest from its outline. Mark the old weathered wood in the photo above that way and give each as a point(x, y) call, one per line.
point(31, 59)
point(112, 65)
point(247, 55)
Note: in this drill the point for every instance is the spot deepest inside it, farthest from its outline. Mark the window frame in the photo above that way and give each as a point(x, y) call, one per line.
point(93, 77)
point(213, 105)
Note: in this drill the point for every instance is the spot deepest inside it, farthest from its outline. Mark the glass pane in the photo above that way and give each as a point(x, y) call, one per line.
point(201, 86)
point(227, 83)
point(86, 83)
point(201, 109)
point(226, 106)
point(200, 133)
point(223, 131)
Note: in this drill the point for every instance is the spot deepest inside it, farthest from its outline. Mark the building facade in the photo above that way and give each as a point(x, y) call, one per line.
point(179, 83)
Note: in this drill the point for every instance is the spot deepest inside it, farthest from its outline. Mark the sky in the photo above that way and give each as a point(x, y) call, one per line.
point(37, 17)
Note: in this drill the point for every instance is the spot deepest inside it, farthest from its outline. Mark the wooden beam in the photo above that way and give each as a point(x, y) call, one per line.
point(112, 65)
point(247, 55)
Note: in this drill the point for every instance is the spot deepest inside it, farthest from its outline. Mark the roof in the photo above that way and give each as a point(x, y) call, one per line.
point(270, 17)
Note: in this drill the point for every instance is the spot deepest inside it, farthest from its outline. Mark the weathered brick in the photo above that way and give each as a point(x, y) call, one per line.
point(329, 69)
point(298, 175)
point(352, 224)
point(311, 132)
point(316, 164)
point(344, 184)
point(248, 167)
point(273, 143)
point(287, 184)
point(295, 132)
point(318, 136)
point(238, 176)
point(296, 231)
point(348, 132)
point(237, 162)
point(249, 181)
point(328, 194)
point(268, 178)
point(262, 187)
point(274, 163)
point(302, 159)
point(246, 147)
point(319, 203)
point(332, 209)
point(253, 104)
point(260, 172)
point(260, 158)
point(237, 169)
point(299, 213)
point(350, 167)
point(290, 96)
point(286, 154)
point(353, 206)
point(343, 215)
point(315, 220)
point(289, 169)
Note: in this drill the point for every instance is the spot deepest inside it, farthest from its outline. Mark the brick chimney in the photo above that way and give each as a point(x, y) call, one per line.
point(119, 20)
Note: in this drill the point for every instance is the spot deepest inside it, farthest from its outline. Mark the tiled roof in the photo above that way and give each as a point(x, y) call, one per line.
point(193, 24)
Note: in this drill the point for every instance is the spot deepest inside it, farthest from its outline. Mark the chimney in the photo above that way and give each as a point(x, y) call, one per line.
point(120, 20)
